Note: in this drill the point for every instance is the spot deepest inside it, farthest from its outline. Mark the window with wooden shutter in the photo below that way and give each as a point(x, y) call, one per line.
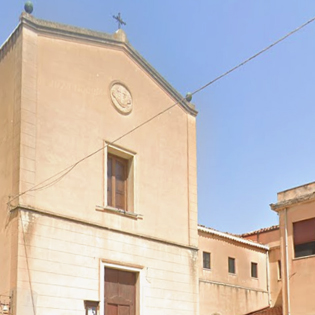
point(117, 175)
point(119, 179)
point(206, 260)
point(279, 269)
point(254, 270)
point(304, 238)
point(231, 265)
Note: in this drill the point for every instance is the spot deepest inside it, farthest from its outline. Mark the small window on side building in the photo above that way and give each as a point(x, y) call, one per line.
point(279, 269)
point(206, 260)
point(254, 270)
point(231, 265)
point(304, 238)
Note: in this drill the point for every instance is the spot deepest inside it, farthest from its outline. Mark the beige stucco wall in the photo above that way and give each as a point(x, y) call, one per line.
point(271, 237)
point(300, 270)
point(65, 113)
point(295, 192)
point(10, 83)
point(64, 262)
point(74, 116)
point(228, 294)
point(275, 278)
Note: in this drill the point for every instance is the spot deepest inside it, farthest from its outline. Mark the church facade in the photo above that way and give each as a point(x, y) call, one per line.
point(117, 232)
point(98, 193)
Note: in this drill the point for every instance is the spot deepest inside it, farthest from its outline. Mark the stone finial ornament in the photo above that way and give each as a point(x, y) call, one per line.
point(188, 97)
point(28, 7)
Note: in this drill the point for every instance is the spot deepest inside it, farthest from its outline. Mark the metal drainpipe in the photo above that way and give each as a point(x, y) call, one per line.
point(287, 261)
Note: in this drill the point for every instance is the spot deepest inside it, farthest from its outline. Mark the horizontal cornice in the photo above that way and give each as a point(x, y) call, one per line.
point(10, 41)
point(292, 202)
point(97, 225)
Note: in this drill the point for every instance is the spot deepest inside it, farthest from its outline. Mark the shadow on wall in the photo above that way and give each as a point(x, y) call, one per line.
point(278, 301)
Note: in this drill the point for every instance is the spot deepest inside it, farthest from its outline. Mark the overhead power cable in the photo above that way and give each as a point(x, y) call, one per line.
point(60, 175)
point(254, 56)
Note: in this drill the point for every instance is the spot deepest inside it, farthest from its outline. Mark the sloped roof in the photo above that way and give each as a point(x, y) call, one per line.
point(262, 230)
point(117, 40)
point(232, 237)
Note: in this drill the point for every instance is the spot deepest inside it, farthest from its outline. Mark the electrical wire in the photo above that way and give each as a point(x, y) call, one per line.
point(67, 170)
point(254, 56)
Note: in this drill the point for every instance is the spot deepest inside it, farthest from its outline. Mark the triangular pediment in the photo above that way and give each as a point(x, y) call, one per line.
point(117, 40)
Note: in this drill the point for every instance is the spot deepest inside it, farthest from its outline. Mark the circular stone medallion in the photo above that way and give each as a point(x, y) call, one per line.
point(121, 98)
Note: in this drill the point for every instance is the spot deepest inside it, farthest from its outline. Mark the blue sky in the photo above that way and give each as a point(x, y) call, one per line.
point(255, 128)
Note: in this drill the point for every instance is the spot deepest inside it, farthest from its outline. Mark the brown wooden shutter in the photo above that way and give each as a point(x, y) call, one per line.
point(206, 260)
point(120, 188)
point(117, 175)
point(109, 180)
point(304, 231)
point(231, 265)
point(254, 268)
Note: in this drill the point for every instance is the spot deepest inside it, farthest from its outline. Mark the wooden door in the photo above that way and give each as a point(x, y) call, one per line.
point(120, 292)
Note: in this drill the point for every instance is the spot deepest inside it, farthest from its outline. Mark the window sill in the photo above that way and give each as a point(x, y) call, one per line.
point(206, 269)
point(124, 213)
point(304, 257)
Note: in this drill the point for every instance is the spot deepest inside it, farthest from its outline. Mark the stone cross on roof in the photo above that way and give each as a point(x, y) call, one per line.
point(119, 20)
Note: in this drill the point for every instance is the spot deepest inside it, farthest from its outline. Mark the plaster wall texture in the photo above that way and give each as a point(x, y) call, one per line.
point(268, 237)
point(226, 300)
point(296, 192)
point(10, 83)
point(62, 111)
point(70, 97)
point(63, 267)
point(300, 270)
point(272, 239)
point(228, 293)
point(192, 180)
point(275, 276)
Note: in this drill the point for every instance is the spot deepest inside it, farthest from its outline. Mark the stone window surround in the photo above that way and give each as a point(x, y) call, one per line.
point(131, 180)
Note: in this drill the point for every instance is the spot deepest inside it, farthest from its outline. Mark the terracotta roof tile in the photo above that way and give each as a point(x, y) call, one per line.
point(267, 229)
point(232, 237)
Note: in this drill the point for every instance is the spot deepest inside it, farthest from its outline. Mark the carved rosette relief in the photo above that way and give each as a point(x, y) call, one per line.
point(121, 98)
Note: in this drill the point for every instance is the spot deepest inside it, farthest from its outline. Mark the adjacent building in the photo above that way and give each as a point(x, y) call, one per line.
point(273, 276)
point(271, 237)
point(233, 273)
point(296, 210)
